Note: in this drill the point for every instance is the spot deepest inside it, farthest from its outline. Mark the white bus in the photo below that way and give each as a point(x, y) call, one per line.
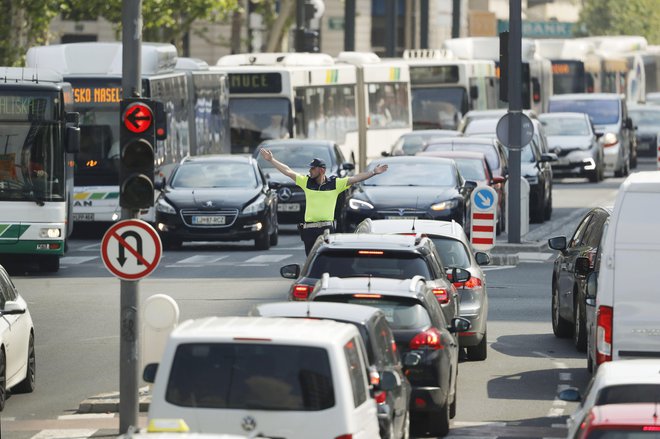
point(312, 96)
point(536, 71)
point(445, 88)
point(95, 72)
point(38, 132)
point(575, 66)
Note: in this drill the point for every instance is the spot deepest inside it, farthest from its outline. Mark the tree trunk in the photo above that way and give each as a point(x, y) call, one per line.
point(280, 28)
point(236, 27)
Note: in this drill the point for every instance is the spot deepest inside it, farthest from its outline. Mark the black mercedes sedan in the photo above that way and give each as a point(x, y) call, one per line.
point(412, 187)
point(217, 198)
point(297, 154)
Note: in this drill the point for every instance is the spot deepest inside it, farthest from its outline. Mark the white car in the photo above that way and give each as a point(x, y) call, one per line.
point(616, 382)
point(17, 359)
point(455, 251)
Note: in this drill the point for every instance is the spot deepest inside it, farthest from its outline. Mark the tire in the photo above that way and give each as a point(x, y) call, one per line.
point(3, 380)
point(27, 385)
point(579, 328)
point(633, 158)
point(262, 242)
point(438, 423)
point(594, 176)
point(560, 326)
point(590, 364)
point(452, 406)
point(480, 351)
point(274, 237)
point(49, 264)
point(547, 212)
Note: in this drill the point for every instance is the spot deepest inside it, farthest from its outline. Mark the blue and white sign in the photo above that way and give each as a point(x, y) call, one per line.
point(485, 198)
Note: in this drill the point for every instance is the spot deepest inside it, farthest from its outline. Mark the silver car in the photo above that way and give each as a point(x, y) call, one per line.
point(455, 251)
point(571, 136)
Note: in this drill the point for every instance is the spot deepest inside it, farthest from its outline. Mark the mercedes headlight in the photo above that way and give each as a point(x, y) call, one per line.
point(445, 205)
point(164, 207)
point(359, 204)
point(257, 206)
point(609, 139)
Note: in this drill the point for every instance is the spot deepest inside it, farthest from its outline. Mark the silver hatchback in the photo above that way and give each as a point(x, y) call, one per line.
point(455, 251)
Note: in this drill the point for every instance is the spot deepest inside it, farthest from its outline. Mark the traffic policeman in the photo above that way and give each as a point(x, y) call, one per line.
point(321, 194)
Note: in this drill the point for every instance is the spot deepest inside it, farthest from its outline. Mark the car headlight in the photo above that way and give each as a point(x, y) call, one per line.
point(532, 179)
point(609, 139)
point(445, 205)
point(359, 204)
point(164, 207)
point(258, 205)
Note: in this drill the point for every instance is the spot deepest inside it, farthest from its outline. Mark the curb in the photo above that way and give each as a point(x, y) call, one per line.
point(109, 402)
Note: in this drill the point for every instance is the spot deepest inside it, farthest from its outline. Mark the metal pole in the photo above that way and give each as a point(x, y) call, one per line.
point(349, 25)
point(515, 108)
point(424, 24)
point(129, 363)
point(456, 19)
point(391, 30)
point(300, 25)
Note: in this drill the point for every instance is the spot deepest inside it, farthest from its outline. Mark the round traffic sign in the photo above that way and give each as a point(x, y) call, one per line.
point(137, 117)
point(526, 130)
point(131, 249)
point(484, 198)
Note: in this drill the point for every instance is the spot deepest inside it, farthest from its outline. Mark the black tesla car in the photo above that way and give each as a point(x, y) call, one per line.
point(217, 198)
point(412, 187)
point(297, 154)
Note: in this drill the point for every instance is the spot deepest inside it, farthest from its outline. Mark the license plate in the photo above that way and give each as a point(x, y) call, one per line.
point(208, 220)
point(288, 207)
point(400, 217)
point(83, 217)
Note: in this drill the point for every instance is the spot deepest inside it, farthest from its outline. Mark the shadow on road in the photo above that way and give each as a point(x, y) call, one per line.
point(534, 385)
point(537, 345)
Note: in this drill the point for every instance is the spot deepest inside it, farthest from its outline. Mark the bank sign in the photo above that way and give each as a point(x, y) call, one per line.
point(541, 29)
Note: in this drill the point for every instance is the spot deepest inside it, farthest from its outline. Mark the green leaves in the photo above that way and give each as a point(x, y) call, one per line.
point(616, 17)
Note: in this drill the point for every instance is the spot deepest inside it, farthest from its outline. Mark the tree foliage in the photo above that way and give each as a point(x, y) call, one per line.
point(23, 23)
point(616, 17)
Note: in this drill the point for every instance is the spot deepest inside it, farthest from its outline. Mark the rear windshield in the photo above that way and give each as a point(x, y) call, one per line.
point(629, 393)
point(352, 263)
point(601, 111)
point(453, 253)
point(251, 376)
point(400, 312)
point(622, 433)
point(490, 151)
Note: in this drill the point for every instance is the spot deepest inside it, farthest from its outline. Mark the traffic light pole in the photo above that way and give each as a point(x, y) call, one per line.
point(515, 121)
point(129, 360)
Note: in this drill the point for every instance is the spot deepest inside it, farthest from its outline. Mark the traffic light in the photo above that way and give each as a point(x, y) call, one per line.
point(504, 66)
point(136, 162)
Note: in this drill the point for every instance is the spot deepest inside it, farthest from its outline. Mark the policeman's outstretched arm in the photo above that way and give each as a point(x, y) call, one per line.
point(379, 169)
point(284, 169)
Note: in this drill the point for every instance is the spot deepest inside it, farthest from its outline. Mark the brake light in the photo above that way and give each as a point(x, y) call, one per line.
point(604, 320)
point(374, 378)
point(345, 436)
point(473, 282)
point(370, 252)
point(380, 397)
point(651, 428)
point(301, 292)
point(367, 296)
point(430, 338)
point(441, 294)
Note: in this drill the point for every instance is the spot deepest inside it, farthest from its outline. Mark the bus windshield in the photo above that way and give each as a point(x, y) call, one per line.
point(438, 107)
point(31, 162)
point(253, 120)
point(97, 163)
point(568, 77)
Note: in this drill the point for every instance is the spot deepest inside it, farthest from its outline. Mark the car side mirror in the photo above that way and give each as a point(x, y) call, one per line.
point(557, 243)
point(629, 124)
point(496, 180)
point(470, 184)
point(12, 308)
point(549, 157)
point(385, 154)
point(389, 381)
point(411, 359)
point(571, 394)
point(159, 185)
point(274, 184)
point(474, 92)
point(460, 275)
point(599, 135)
point(459, 324)
point(149, 372)
point(582, 265)
point(291, 271)
point(592, 286)
point(347, 166)
point(482, 258)
point(72, 134)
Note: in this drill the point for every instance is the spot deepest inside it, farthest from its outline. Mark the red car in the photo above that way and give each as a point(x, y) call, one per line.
point(473, 165)
point(621, 421)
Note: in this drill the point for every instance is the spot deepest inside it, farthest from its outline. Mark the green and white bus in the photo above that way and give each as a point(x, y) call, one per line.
point(38, 136)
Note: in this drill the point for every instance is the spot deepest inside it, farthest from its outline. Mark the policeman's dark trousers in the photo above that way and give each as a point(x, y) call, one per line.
point(309, 236)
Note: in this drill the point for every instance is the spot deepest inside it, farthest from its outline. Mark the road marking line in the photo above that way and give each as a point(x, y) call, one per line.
point(555, 412)
point(464, 424)
point(561, 387)
point(87, 416)
point(64, 434)
point(252, 265)
point(75, 260)
point(91, 247)
point(497, 267)
point(559, 403)
point(201, 259)
point(267, 258)
point(565, 376)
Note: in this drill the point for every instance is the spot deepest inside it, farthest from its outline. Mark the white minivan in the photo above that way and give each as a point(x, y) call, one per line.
point(273, 377)
point(627, 300)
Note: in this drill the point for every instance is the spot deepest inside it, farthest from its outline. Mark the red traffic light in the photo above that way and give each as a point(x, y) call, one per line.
point(137, 117)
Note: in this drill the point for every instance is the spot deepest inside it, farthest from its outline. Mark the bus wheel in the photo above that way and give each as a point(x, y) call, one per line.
point(49, 263)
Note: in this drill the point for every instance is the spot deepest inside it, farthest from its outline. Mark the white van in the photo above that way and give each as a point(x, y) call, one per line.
point(627, 300)
point(273, 377)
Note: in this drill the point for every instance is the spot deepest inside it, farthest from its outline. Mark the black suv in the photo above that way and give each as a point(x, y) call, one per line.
point(297, 154)
point(423, 336)
point(389, 256)
point(382, 354)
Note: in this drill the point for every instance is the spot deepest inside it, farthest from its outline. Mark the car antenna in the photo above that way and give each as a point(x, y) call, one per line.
point(369, 284)
point(415, 217)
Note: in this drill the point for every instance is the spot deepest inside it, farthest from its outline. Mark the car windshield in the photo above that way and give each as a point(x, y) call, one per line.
point(471, 169)
point(414, 174)
point(296, 156)
point(645, 117)
point(214, 175)
point(250, 376)
point(565, 126)
point(453, 253)
point(408, 145)
point(400, 312)
point(601, 111)
point(489, 150)
point(627, 393)
point(354, 263)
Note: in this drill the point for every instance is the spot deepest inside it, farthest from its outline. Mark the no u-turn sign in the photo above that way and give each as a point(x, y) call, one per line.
point(131, 249)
